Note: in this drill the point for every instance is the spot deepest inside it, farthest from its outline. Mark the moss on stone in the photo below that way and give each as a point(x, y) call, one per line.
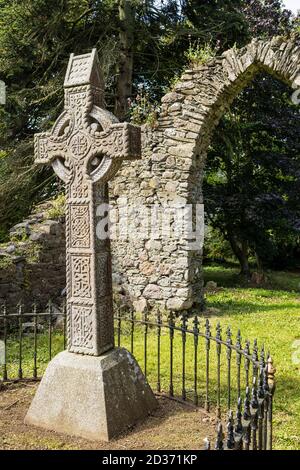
point(58, 208)
point(5, 262)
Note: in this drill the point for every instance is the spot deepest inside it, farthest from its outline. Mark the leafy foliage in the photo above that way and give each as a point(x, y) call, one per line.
point(253, 166)
point(35, 43)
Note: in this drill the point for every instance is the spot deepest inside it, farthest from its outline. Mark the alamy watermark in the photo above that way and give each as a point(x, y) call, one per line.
point(2, 352)
point(2, 92)
point(296, 97)
point(296, 353)
point(182, 224)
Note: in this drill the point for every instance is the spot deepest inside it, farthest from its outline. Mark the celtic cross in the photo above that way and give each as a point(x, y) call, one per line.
point(86, 147)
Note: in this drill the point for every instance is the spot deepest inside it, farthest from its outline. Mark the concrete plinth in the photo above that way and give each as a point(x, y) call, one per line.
point(91, 397)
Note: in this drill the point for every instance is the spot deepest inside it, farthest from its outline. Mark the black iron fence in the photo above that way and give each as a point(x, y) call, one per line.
point(190, 359)
point(251, 428)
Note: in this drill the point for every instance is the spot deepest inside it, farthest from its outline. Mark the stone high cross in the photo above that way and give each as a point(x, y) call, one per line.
point(86, 147)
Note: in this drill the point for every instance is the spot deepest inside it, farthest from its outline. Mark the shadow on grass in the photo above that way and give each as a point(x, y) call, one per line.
point(236, 307)
point(285, 281)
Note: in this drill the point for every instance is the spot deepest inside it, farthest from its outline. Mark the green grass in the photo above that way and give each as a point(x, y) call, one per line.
point(270, 314)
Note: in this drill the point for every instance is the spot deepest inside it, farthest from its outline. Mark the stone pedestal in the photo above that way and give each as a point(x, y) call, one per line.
point(91, 397)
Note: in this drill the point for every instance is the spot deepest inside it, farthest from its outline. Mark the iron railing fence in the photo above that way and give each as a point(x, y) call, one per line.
point(183, 358)
point(251, 428)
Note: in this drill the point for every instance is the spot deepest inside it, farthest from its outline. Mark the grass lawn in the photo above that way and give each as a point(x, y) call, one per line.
point(270, 314)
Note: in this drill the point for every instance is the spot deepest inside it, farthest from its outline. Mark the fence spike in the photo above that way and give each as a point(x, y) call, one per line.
point(265, 380)
point(271, 370)
point(238, 340)
point(255, 351)
point(262, 362)
point(254, 398)
point(261, 392)
point(196, 324)
point(246, 413)
point(230, 431)
point(218, 331)
point(220, 436)
point(238, 426)
point(207, 334)
point(229, 342)
point(255, 358)
point(247, 348)
point(206, 444)
point(184, 322)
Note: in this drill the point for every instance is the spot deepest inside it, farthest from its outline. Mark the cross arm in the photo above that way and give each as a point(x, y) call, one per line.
point(121, 141)
point(41, 154)
point(46, 149)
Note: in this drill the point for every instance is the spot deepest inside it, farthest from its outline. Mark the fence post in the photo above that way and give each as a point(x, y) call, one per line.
point(218, 346)
point(171, 333)
point(159, 324)
point(145, 321)
point(238, 362)
point(196, 339)
point(228, 353)
point(35, 331)
point(254, 413)
point(271, 384)
point(207, 341)
point(20, 319)
point(5, 341)
point(183, 338)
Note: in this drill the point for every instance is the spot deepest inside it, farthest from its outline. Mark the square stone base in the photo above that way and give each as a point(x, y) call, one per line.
point(92, 397)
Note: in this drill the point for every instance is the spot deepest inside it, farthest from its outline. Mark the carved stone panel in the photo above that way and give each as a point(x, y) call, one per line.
point(82, 329)
point(80, 226)
point(81, 276)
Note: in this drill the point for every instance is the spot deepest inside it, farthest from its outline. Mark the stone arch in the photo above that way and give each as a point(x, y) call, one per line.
point(173, 160)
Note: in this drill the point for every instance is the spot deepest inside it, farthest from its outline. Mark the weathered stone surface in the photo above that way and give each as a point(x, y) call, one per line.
point(152, 291)
point(92, 397)
point(82, 133)
point(42, 267)
point(179, 304)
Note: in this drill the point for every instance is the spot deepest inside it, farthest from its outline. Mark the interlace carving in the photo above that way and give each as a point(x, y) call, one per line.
point(86, 147)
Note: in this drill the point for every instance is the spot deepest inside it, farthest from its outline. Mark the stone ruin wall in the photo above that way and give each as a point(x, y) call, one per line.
point(161, 272)
point(32, 263)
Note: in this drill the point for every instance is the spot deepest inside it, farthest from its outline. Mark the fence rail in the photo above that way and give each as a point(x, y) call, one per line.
point(186, 358)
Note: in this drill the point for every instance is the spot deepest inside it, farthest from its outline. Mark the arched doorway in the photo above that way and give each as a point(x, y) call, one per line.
point(167, 273)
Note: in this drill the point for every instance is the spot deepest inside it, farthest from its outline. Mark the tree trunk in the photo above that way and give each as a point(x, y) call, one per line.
point(259, 263)
point(241, 252)
point(125, 64)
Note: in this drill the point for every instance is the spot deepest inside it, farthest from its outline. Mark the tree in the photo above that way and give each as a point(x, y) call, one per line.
point(35, 43)
point(125, 62)
point(253, 166)
point(253, 173)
